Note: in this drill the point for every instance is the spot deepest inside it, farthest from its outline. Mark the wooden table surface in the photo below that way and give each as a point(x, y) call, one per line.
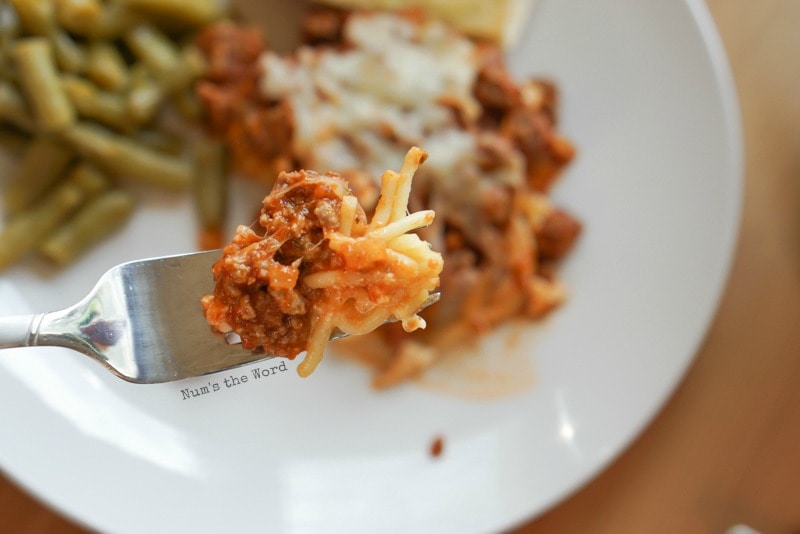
point(726, 448)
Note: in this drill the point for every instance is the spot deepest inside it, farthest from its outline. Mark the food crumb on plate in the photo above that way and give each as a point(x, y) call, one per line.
point(437, 447)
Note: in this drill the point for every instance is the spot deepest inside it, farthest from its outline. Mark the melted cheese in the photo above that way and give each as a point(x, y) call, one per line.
point(395, 86)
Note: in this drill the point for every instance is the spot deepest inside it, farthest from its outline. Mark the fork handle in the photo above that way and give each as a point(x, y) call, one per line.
point(19, 330)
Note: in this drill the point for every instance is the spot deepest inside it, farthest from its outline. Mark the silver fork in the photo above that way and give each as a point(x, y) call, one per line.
point(143, 321)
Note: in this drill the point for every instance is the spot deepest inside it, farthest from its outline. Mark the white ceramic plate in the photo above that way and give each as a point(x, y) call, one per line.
point(648, 100)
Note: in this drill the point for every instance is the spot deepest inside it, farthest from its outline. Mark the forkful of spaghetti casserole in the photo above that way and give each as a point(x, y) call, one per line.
point(318, 270)
point(321, 266)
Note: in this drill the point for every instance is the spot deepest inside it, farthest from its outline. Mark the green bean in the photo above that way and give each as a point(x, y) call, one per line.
point(186, 100)
point(30, 228)
point(108, 108)
point(210, 183)
point(124, 157)
point(106, 67)
point(194, 60)
point(51, 107)
point(144, 99)
point(70, 56)
point(78, 16)
point(25, 232)
point(153, 48)
point(43, 163)
point(160, 55)
point(98, 219)
point(37, 16)
point(161, 141)
point(115, 19)
point(210, 193)
point(89, 178)
point(187, 12)
point(66, 80)
point(13, 108)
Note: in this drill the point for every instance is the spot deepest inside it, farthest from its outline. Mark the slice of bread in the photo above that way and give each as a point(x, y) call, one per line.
point(499, 21)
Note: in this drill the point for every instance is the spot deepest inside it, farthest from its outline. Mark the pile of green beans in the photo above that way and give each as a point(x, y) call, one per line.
point(85, 92)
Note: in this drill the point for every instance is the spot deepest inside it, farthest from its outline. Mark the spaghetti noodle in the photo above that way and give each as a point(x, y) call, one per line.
point(320, 266)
